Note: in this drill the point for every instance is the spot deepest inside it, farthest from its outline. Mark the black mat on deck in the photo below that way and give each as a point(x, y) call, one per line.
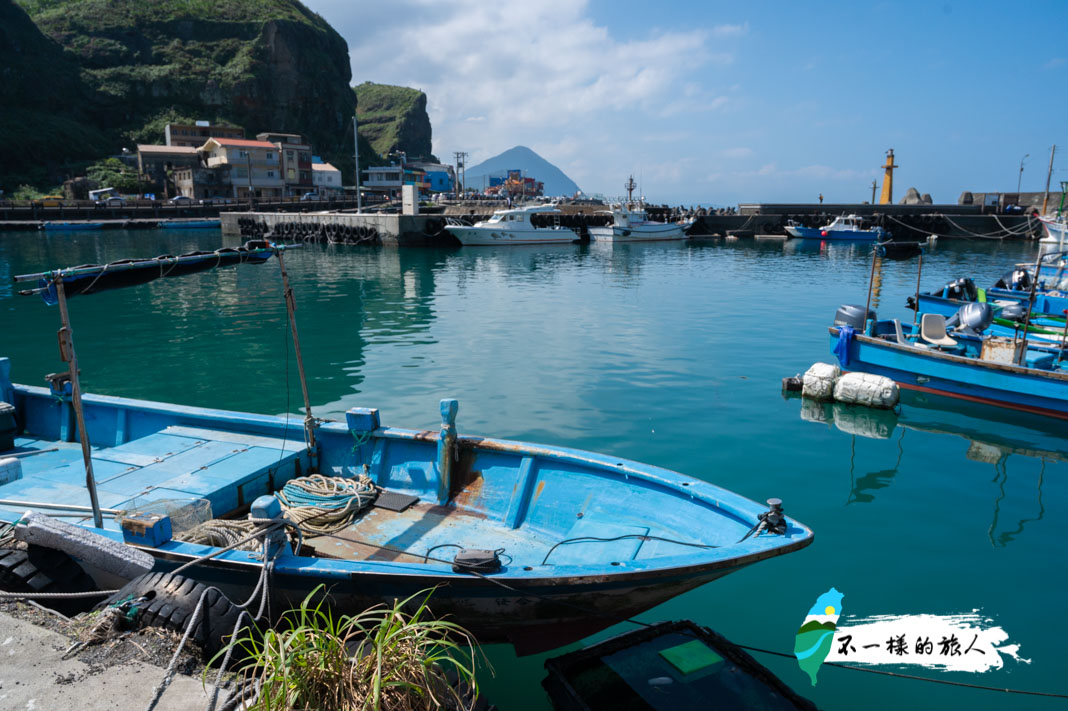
point(394, 501)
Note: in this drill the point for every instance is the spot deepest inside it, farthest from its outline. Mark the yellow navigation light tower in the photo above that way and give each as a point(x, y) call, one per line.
point(887, 196)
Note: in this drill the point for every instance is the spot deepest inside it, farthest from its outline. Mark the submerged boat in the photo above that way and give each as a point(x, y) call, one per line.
point(189, 224)
point(513, 227)
point(632, 224)
point(71, 226)
point(843, 227)
point(533, 544)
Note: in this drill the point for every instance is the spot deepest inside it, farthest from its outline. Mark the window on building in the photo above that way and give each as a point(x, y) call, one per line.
point(291, 175)
point(270, 155)
point(241, 172)
point(289, 155)
point(329, 178)
point(270, 173)
point(304, 177)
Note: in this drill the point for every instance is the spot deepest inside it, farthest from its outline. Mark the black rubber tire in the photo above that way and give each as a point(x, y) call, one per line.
point(44, 570)
point(173, 600)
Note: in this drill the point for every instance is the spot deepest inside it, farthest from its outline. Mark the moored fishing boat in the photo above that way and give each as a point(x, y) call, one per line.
point(189, 224)
point(843, 227)
point(631, 224)
point(70, 226)
point(514, 226)
point(554, 543)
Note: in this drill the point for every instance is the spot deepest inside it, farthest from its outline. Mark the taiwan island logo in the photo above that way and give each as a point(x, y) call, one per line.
point(963, 642)
point(815, 637)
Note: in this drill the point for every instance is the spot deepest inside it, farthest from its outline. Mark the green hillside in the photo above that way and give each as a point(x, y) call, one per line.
point(124, 68)
point(394, 118)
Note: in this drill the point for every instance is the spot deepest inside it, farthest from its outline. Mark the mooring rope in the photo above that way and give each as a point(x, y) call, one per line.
point(332, 502)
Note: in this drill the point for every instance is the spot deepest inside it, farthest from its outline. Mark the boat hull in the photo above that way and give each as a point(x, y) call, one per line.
point(532, 615)
point(929, 370)
point(839, 235)
point(484, 237)
point(638, 233)
point(71, 226)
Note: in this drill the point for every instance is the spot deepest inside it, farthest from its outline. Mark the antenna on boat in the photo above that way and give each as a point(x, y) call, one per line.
point(629, 186)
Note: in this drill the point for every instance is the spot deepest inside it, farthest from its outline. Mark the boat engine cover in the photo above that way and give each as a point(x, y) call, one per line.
point(975, 316)
point(852, 315)
point(1014, 312)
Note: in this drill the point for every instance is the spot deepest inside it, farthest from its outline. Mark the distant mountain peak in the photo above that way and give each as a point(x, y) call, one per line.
point(528, 161)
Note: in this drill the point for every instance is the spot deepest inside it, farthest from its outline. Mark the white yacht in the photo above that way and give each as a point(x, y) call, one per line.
point(631, 224)
point(513, 227)
point(1056, 230)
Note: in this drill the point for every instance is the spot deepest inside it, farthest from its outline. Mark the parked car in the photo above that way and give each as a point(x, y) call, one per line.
point(217, 201)
point(181, 200)
point(112, 201)
point(51, 201)
point(311, 196)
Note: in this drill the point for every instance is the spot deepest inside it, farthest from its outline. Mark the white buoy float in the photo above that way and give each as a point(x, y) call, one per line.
point(824, 381)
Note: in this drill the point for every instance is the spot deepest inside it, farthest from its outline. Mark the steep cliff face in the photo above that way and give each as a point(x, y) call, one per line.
point(265, 65)
point(43, 103)
point(394, 118)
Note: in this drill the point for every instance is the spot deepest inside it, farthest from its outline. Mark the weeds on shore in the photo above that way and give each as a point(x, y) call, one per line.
point(383, 658)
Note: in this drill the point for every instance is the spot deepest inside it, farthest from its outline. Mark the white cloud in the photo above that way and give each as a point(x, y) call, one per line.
point(738, 152)
point(545, 74)
point(1054, 63)
point(720, 31)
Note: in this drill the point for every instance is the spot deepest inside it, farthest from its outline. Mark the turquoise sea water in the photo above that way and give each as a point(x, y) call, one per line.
point(670, 354)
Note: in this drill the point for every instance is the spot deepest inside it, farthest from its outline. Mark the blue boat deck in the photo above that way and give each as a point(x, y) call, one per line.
point(226, 468)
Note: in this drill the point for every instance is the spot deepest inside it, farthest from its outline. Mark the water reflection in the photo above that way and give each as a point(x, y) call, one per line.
point(992, 434)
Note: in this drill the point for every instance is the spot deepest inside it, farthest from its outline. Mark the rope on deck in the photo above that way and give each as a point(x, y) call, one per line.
point(326, 504)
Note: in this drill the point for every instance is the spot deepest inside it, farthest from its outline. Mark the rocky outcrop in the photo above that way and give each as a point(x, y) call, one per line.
point(394, 118)
point(265, 65)
point(45, 104)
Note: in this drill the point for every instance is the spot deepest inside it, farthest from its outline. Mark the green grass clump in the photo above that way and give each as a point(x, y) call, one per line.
point(383, 658)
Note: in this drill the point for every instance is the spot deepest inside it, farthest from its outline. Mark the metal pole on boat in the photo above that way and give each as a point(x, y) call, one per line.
point(871, 280)
point(66, 352)
point(919, 271)
point(1021, 356)
point(291, 307)
point(1064, 337)
point(356, 155)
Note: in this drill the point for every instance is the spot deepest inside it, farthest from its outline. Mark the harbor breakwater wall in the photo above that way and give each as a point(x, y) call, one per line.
point(905, 223)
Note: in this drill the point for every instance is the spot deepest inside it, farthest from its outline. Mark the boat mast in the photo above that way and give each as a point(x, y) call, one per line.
point(291, 307)
point(629, 186)
point(1049, 174)
point(66, 352)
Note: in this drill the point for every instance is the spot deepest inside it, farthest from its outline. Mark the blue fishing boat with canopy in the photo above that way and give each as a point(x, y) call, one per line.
point(533, 544)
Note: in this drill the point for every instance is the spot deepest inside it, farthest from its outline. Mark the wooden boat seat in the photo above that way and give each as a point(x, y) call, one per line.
point(228, 469)
point(933, 330)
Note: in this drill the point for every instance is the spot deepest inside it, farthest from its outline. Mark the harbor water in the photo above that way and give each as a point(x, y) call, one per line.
point(668, 353)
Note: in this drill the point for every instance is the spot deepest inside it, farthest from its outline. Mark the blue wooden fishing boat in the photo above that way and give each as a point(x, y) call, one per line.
point(70, 226)
point(533, 544)
point(189, 224)
point(973, 368)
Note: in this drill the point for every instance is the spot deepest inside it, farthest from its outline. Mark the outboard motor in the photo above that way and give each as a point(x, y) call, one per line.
point(852, 315)
point(961, 289)
point(1014, 312)
point(972, 318)
point(1017, 280)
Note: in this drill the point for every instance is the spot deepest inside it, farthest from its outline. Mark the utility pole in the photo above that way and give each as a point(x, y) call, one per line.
point(1049, 175)
point(873, 186)
point(248, 164)
point(461, 164)
point(356, 155)
point(1020, 179)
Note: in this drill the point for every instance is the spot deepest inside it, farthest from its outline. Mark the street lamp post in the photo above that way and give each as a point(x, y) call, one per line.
point(1020, 178)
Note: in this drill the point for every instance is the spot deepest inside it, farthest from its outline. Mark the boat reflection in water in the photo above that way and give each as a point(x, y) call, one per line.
point(991, 438)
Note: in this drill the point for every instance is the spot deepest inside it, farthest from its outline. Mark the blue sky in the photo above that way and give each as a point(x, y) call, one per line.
point(727, 102)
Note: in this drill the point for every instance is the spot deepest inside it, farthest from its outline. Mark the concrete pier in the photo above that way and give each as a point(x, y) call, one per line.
point(349, 227)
